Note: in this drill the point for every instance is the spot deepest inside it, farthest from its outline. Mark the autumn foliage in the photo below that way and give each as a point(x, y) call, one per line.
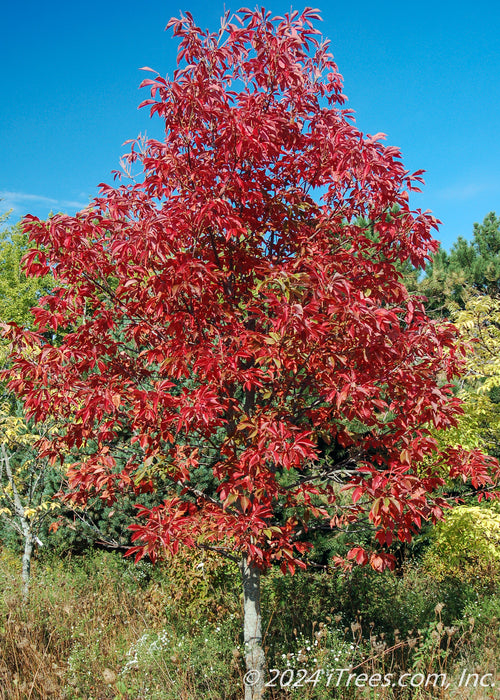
point(237, 310)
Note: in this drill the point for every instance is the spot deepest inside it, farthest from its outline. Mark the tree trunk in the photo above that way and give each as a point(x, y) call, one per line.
point(28, 551)
point(27, 532)
point(252, 632)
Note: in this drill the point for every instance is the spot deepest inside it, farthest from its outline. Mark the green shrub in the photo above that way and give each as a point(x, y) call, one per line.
point(466, 546)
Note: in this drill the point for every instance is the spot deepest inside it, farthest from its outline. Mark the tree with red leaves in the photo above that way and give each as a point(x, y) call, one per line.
point(237, 307)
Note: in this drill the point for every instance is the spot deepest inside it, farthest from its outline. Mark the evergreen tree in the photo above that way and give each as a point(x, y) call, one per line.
point(474, 264)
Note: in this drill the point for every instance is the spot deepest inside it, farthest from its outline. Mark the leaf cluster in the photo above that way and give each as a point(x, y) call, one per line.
point(214, 323)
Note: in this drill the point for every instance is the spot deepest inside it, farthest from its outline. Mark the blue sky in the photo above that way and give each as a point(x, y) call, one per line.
point(427, 74)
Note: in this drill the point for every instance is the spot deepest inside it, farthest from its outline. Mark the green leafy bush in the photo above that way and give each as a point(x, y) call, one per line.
point(466, 545)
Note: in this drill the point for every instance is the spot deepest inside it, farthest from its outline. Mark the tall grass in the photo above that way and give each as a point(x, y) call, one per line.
point(98, 627)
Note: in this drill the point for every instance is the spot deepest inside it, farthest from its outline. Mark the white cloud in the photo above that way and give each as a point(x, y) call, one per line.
point(23, 197)
point(20, 200)
point(467, 190)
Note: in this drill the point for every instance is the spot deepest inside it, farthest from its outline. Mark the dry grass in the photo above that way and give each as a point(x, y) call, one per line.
point(98, 628)
point(75, 625)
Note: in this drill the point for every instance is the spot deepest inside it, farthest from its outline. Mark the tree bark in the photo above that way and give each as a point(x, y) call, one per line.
point(252, 632)
point(27, 532)
point(26, 569)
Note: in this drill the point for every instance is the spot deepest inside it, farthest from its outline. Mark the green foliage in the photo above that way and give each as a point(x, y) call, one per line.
point(479, 325)
point(25, 500)
point(170, 664)
point(481, 257)
point(437, 285)
point(18, 293)
point(483, 616)
point(467, 545)
point(474, 264)
point(95, 525)
point(392, 605)
point(463, 286)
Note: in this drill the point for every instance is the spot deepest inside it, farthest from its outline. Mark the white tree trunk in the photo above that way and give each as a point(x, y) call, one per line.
point(25, 528)
point(25, 574)
point(252, 632)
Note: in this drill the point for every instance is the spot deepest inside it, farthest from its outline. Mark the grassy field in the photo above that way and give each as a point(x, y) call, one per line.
point(99, 627)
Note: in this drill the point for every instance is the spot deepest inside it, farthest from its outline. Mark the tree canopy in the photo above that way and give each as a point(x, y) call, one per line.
point(216, 314)
point(238, 309)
